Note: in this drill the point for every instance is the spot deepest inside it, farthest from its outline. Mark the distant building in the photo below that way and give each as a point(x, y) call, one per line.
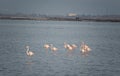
point(72, 14)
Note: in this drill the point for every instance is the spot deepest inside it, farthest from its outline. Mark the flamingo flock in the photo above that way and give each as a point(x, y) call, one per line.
point(84, 48)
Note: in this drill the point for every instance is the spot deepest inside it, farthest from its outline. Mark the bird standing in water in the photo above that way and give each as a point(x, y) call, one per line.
point(74, 46)
point(46, 46)
point(53, 49)
point(84, 48)
point(28, 52)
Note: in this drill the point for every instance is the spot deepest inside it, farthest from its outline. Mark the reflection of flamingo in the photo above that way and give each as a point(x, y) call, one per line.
point(28, 52)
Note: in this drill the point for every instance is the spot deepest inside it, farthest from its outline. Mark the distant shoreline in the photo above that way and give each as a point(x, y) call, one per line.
point(104, 19)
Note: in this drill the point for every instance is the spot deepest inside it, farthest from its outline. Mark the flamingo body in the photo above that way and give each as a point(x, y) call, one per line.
point(46, 46)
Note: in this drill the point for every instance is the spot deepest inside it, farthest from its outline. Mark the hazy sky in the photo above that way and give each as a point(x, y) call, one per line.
point(61, 7)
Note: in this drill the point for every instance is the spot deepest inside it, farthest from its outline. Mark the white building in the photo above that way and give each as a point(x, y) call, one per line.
point(72, 14)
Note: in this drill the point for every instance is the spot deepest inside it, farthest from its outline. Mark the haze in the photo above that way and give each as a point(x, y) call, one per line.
point(61, 7)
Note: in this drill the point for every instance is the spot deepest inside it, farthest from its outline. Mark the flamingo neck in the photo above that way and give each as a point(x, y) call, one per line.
point(28, 49)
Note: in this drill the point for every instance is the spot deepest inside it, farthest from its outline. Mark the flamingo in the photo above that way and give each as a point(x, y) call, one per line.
point(87, 48)
point(84, 48)
point(46, 46)
point(28, 52)
point(53, 48)
point(68, 46)
point(74, 46)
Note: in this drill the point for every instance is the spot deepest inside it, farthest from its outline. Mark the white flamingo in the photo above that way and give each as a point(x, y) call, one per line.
point(84, 48)
point(74, 46)
point(28, 52)
point(46, 46)
point(68, 46)
point(53, 48)
point(87, 48)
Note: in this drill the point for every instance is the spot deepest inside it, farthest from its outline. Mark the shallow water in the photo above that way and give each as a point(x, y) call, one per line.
point(103, 38)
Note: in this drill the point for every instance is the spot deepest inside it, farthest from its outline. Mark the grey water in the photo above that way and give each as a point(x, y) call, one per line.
point(102, 37)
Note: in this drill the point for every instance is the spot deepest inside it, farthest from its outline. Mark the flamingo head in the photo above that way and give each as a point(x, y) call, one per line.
point(27, 47)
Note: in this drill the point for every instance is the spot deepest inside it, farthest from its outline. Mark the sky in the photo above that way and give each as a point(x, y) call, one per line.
point(61, 7)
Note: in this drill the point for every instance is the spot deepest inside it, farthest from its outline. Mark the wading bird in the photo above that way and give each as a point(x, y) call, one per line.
point(74, 46)
point(84, 48)
point(28, 52)
point(68, 46)
point(46, 46)
point(53, 48)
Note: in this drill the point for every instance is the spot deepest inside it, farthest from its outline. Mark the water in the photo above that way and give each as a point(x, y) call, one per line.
point(102, 37)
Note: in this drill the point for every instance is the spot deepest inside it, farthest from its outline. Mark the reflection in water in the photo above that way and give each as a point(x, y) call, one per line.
point(85, 54)
point(29, 69)
point(29, 62)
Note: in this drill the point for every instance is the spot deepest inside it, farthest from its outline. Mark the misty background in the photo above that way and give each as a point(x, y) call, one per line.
point(61, 7)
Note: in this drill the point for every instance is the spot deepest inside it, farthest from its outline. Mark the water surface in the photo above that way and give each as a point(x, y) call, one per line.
point(102, 37)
